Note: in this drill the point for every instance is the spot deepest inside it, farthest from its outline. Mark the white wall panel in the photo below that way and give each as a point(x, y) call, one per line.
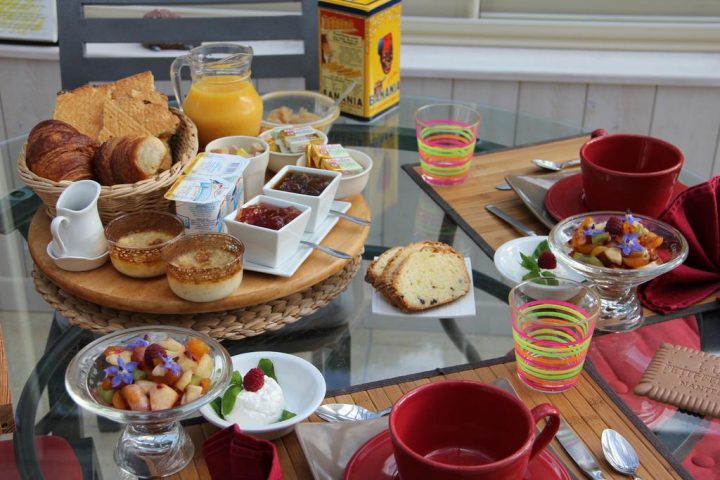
point(689, 118)
point(440, 88)
point(488, 92)
point(496, 126)
point(619, 108)
point(562, 102)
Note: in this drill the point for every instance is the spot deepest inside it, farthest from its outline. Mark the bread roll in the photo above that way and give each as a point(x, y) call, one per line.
point(129, 159)
point(57, 151)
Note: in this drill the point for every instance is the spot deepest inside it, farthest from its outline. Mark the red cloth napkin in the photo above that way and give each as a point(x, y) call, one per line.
point(696, 214)
point(232, 455)
point(55, 456)
point(622, 359)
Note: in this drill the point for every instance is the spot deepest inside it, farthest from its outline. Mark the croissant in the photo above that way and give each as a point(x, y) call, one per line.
point(57, 151)
point(128, 159)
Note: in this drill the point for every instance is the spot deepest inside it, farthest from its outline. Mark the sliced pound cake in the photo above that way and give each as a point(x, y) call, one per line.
point(393, 263)
point(428, 277)
point(376, 267)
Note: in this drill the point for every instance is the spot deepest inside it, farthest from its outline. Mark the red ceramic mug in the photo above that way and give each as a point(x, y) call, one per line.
point(629, 172)
point(469, 430)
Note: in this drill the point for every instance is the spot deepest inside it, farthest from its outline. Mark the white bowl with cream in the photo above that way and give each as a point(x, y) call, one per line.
point(303, 388)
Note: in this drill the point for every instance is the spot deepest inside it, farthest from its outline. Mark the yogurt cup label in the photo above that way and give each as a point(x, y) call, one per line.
point(225, 166)
point(200, 202)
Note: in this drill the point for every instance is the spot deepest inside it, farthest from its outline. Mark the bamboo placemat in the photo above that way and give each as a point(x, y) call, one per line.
point(588, 408)
point(466, 203)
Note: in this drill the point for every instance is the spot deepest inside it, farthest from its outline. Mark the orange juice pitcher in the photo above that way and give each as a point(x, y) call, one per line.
point(222, 101)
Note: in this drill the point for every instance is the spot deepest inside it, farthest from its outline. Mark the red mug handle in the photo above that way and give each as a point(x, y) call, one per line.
point(600, 132)
point(544, 410)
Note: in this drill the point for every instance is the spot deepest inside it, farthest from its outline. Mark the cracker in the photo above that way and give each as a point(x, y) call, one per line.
point(82, 108)
point(117, 123)
point(154, 118)
point(686, 378)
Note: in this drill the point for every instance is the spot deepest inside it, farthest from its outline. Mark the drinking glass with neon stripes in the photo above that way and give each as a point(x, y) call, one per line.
point(446, 136)
point(553, 321)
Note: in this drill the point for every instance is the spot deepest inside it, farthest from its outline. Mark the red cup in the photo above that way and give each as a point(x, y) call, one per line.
point(470, 430)
point(629, 172)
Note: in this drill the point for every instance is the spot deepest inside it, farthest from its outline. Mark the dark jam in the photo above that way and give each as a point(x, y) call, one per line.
point(267, 216)
point(304, 183)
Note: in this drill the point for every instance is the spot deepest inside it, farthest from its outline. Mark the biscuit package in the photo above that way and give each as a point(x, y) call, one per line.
point(360, 50)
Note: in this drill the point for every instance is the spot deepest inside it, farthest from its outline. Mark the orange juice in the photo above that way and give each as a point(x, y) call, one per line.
point(222, 106)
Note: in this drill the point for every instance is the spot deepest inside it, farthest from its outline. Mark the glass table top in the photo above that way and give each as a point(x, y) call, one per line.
point(348, 342)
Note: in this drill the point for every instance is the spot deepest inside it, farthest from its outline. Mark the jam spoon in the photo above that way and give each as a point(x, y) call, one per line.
point(328, 250)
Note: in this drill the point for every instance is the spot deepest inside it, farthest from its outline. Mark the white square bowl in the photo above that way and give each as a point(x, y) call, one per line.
point(320, 205)
point(263, 245)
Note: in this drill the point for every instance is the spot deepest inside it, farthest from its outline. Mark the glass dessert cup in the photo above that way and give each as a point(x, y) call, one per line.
point(620, 307)
point(206, 279)
point(135, 260)
point(153, 443)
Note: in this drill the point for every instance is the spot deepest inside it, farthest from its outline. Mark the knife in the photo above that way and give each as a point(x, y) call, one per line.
point(516, 224)
point(578, 451)
point(568, 439)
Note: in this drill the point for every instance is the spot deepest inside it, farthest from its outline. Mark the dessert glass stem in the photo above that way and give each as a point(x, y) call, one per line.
point(620, 309)
point(156, 450)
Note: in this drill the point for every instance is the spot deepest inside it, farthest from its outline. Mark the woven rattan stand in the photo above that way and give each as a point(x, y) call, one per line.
point(104, 300)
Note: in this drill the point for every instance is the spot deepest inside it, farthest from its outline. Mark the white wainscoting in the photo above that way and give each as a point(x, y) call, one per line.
point(688, 116)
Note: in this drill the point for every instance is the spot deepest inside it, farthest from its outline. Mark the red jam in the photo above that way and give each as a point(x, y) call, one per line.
point(267, 216)
point(304, 183)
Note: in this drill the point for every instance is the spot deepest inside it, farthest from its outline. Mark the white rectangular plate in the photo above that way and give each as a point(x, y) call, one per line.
point(290, 266)
point(462, 307)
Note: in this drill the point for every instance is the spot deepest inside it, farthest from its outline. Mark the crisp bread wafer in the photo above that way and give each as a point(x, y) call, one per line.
point(154, 118)
point(117, 123)
point(686, 378)
point(83, 108)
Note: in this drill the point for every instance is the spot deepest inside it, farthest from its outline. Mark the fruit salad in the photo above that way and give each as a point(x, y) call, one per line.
point(254, 400)
point(620, 242)
point(144, 376)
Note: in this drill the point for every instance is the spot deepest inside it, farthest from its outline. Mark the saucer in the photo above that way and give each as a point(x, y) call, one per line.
point(375, 460)
point(76, 264)
point(565, 198)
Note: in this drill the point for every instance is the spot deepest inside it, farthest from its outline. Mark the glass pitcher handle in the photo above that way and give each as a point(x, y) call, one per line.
point(176, 77)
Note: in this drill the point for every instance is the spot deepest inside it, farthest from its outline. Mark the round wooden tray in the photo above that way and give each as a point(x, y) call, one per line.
point(107, 287)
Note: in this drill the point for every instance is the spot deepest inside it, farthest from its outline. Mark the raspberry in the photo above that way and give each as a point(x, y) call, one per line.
point(547, 260)
point(614, 226)
point(254, 380)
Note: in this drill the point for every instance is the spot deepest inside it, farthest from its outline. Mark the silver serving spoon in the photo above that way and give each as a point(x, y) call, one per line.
point(555, 166)
point(352, 218)
point(619, 453)
point(345, 412)
point(328, 250)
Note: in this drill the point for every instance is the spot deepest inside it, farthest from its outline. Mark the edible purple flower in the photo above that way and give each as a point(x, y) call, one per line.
point(593, 230)
point(137, 342)
point(630, 219)
point(630, 244)
point(122, 372)
point(170, 364)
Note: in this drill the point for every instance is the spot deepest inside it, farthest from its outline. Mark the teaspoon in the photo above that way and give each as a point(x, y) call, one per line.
point(328, 250)
point(555, 166)
point(619, 453)
point(345, 412)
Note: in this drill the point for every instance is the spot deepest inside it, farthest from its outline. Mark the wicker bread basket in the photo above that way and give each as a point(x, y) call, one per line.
point(118, 200)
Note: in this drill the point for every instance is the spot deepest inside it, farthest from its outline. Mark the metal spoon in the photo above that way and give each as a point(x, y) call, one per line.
point(344, 412)
point(328, 250)
point(352, 218)
point(619, 453)
point(555, 166)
